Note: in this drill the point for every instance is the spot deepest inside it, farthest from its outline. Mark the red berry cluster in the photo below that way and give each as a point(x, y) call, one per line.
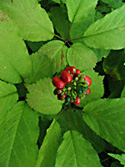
point(72, 85)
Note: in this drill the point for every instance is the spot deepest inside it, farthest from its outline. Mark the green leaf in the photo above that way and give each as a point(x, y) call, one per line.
point(42, 66)
point(114, 65)
point(50, 145)
point(75, 151)
point(32, 20)
point(106, 117)
point(41, 97)
point(15, 62)
point(18, 137)
point(121, 157)
point(78, 28)
point(97, 87)
point(79, 9)
point(60, 20)
point(81, 57)
point(108, 32)
point(56, 50)
point(74, 118)
point(8, 98)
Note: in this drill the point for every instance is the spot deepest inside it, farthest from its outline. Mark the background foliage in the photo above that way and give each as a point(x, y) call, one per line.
point(38, 39)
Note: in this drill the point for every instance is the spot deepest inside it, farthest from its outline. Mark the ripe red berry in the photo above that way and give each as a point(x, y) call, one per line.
point(89, 81)
point(87, 92)
point(58, 83)
point(78, 101)
point(77, 72)
point(66, 76)
point(72, 69)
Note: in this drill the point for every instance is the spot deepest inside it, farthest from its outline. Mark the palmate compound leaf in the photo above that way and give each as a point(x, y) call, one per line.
point(15, 61)
point(8, 98)
point(106, 117)
point(42, 66)
point(41, 97)
point(75, 151)
point(49, 146)
point(97, 87)
point(79, 9)
point(108, 32)
point(56, 50)
point(18, 137)
point(81, 57)
point(32, 20)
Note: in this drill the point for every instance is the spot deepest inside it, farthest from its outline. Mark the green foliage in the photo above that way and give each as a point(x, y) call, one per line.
point(114, 69)
point(39, 39)
point(77, 55)
point(15, 62)
point(108, 32)
point(41, 97)
point(106, 118)
point(121, 158)
point(49, 146)
point(32, 21)
point(79, 149)
point(8, 98)
point(42, 66)
point(56, 50)
point(18, 134)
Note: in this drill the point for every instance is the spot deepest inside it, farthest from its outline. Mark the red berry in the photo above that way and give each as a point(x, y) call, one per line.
point(58, 83)
point(87, 92)
point(66, 76)
point(72, 69)
point(78, 101)
point(77, 72)
point(89, 81)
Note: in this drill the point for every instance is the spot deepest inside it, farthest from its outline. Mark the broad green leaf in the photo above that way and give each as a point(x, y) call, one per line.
point(114, 3)
point(8, 98)
point(97, 87)
point(60, 20)
point(42, 66)
point(18, 137)
point(78, 28)
point(15, 62)
point(74, 118)
point(81, 57)
point(49, 146)
point(121, 157)
point(108, 32)
point(107, 118)
point(56, 50)
point(41, 97)
point(114, 65)
point(32, 20)
point(123, 93)
point(79, 9)
point(75, 151)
